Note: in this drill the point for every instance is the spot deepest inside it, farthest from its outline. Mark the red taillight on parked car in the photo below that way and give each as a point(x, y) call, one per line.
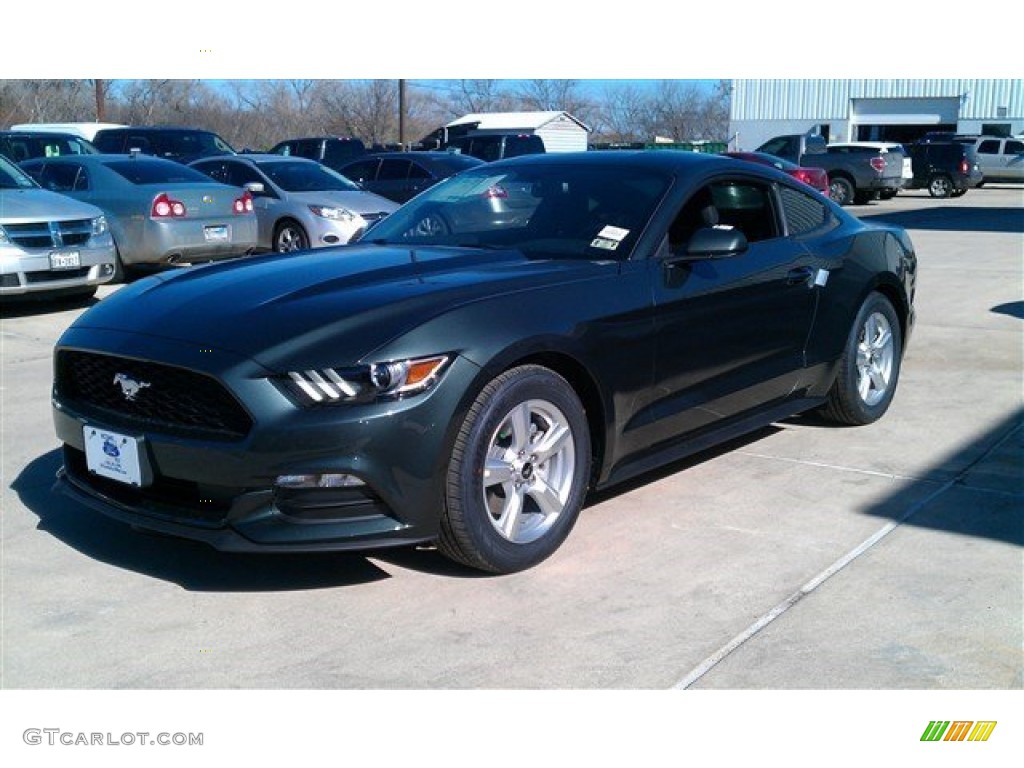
point(242, 204)
point(965, 167)
point(878, 163)
point(166, 207)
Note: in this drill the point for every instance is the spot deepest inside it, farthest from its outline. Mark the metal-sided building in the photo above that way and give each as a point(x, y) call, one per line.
point(873, 110)
point(560, 131)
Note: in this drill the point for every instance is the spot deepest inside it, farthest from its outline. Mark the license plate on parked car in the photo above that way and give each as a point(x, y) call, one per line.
point(216, 234)
point(113, 455)
point(65, 260)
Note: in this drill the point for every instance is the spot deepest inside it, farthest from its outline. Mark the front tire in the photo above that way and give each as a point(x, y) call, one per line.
point(289, 236)
point(518, 473)
point(870, 366)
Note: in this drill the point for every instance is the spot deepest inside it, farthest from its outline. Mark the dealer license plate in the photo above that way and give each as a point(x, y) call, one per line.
point(216, 234)
point(65, 260)
point(113, 455)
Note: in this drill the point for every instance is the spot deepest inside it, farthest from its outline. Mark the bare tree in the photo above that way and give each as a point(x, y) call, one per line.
point(45, 101)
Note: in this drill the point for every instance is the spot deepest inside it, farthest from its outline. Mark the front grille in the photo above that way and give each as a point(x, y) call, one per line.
point(141, 394)
point(50, 234)
point(57, 274)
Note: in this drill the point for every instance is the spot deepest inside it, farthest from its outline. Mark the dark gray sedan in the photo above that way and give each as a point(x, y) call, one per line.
point(159, 211)
point(299, 203)
point(400, 176)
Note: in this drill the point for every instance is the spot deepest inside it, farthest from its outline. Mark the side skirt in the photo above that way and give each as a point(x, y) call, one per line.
point(702, 441)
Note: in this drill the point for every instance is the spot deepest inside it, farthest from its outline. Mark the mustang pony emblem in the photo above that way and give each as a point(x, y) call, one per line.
point(129, 386)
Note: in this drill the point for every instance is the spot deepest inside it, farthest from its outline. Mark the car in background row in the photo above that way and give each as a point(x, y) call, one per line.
point(18, 146)
point(160, 212)
point(812, 177)
point(85, 131)
point(490, 147)
point(181, 144)
point(470, 384)
point(400, 176)
point(332, 151)
point(884, 147)
point(299, 203)
point(1000, 158)
point(945, 169)
point(50, 245)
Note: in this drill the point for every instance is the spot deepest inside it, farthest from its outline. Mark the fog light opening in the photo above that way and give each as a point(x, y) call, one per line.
point(325, 480)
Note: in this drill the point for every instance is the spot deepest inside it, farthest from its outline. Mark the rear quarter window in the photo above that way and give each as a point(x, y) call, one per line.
point(804, 213)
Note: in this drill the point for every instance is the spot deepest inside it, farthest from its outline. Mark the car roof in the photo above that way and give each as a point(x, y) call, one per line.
point(154, 129)
point(257, 157)
point(103, 159)
point(678, 160)
point(43, 134)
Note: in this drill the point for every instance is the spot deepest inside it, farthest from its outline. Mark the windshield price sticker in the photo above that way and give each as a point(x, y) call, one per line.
point(604, 243)
point(618, 234)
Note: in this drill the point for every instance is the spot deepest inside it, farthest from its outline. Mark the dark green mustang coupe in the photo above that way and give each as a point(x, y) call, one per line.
point(510, 339)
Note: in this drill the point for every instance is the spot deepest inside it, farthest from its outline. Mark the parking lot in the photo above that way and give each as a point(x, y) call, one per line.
point(803, 557)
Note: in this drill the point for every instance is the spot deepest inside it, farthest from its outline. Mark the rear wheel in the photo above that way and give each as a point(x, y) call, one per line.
point(290, 236)
point(518, 472)
point(940, 186)
point(841, 190)
point(870, 366)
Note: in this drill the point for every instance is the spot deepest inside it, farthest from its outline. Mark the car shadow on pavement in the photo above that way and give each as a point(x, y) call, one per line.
point(1010, 308)
point(987, 468)
point(12, 308)
point(192, 565)
point(953, 218)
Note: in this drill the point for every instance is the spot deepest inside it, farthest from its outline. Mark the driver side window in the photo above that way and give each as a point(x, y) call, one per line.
point(744, 205)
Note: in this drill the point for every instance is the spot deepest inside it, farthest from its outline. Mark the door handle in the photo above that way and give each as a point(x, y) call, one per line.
point(799, 275)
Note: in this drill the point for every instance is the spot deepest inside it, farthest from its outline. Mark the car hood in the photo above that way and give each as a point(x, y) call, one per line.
point(18, 206)
point(356, 201)
point(323, 307)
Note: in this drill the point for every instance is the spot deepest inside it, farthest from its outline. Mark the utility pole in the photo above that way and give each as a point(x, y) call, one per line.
point(401, 113)
point(101, 100)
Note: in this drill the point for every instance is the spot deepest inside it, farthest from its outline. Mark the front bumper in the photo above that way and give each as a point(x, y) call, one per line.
point(223, 492)
point(28, 272)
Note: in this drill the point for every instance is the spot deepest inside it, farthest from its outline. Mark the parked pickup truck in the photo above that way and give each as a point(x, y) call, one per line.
point(856, 174)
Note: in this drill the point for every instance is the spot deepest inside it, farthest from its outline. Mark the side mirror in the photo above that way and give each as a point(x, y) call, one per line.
point(255, 188)
point(718, 242)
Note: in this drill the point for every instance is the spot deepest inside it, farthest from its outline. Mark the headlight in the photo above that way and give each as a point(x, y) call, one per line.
point(398, 378)
point(335, 212)
point(99, 225)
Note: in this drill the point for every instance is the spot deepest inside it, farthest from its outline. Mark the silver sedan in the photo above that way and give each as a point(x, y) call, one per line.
point(160, 212)
point(300, 203)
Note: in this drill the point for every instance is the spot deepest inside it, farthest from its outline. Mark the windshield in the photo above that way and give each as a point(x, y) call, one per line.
point(540, 209)
point(11, 177)
point(306, 177)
